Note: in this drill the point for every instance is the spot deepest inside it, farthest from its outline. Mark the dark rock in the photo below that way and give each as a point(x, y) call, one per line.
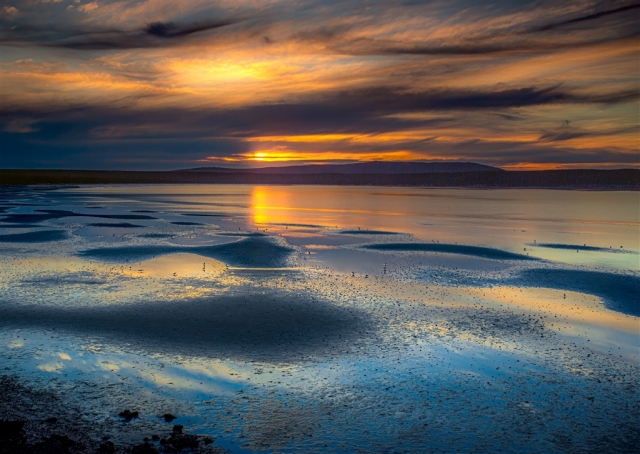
point(128, 415)
point(11, 429)
point(208, 440)
point(51, 420)
point(179, 441)
point(184, 441)
point(55, 444)
point(155, 437)
point(108, 447)
point(12, 437)
point(144, 448)
point(63, 440)
point(168, 417)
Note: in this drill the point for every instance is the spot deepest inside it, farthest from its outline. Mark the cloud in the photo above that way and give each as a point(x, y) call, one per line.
point(10, 11)
point(364, 46)
point(567, 133)
point(589, 17)
point(162, 84)
point(508, 117)
point(19, 125)
point(88, 7)
point(359, 110)
point(157, 34)
point(374, 110)
point(172, 30)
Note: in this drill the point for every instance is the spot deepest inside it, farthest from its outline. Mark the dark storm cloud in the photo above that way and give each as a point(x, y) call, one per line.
point(508, 117)
point(512, 39)
point(388, 100)
point(558, 136)
point(524, 37)
point(172, 30)
point(592, 17)
point(108, 137)
point(364, 46)
point(363, 110)
point(506, 153)
point(568, 133)
point(156, 34)
point(341, 37)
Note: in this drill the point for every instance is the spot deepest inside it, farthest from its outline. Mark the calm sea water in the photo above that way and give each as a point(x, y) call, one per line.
point(496, 218)
point(342, 319)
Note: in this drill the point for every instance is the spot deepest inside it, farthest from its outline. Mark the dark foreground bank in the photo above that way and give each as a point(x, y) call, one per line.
point(35, 421)
point(625, 179)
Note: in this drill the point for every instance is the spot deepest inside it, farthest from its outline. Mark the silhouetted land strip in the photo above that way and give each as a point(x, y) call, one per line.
point(558, 179)
point(377, 167)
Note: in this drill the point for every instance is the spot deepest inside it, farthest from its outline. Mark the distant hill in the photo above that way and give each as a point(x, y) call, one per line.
point(375, 167)
point(623, 179)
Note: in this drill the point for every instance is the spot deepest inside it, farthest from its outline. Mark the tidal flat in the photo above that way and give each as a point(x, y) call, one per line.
point(320, 319)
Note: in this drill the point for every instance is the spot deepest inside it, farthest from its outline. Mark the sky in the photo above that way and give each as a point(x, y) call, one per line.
point(160, 85)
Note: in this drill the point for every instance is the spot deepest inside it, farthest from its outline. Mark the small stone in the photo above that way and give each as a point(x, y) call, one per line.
point(107, 448)
point(128, 415)
point(208, 440)
point(168, 417)
point(144, 448)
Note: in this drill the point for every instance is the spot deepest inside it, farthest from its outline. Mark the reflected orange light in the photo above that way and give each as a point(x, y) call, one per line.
point(266, 203)
point(280, 205)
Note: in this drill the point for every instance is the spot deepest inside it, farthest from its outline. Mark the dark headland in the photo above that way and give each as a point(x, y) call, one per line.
point(424, 174)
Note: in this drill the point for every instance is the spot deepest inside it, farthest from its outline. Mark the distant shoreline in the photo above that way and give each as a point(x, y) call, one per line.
point(599, 180)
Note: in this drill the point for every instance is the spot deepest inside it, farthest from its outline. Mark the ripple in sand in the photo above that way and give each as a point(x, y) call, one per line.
point(122, 225)
point(274, 326)
point(619, 292)
point(186, 223)
point(475, 251)
point(254, 252)
point(367, 232)
point(35, 237)
point(45, 215)
point(19, 226)
point(578, 247)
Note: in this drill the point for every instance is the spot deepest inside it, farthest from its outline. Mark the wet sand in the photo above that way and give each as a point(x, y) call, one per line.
point(40, 421)
point(314, 336)
point(474, 251)
point(269, 326)
point(580, 247)
point(261, 252)
point(43, 236)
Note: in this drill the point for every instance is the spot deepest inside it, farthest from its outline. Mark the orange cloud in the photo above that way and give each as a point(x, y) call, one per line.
point(276, 155)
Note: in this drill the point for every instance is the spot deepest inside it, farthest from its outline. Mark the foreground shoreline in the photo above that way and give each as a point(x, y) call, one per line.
point(34, 420)
point(624, 179)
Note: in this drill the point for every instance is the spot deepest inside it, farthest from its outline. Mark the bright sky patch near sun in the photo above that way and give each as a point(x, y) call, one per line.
point(157, 84)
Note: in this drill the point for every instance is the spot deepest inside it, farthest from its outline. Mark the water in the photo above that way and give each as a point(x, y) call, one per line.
point(333, 319)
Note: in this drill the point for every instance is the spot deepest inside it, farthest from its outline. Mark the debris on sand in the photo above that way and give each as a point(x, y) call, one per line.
point(168, 417)
point(128, 415)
